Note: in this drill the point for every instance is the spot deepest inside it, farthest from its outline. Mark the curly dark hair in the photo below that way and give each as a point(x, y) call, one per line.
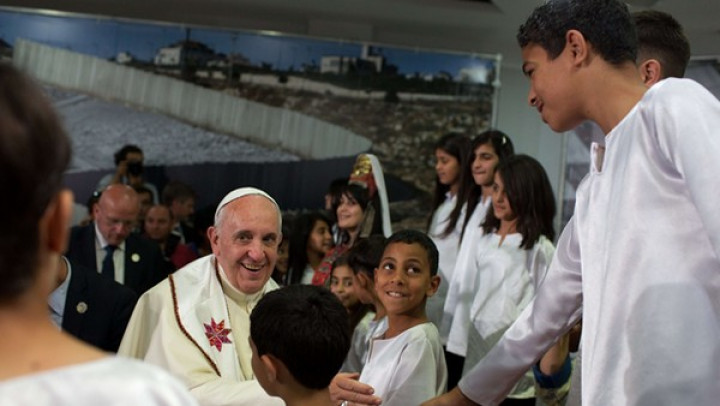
point(605, 24)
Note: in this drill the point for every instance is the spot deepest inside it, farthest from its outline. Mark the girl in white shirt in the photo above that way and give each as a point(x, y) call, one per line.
point(487, 150)
point(451, 156)
point(510, 262)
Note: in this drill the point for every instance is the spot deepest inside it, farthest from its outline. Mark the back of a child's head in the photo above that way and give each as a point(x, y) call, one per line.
point(365, 254)
point(661, 37)
point(530, 196)
point(605, 24)
point(306, 327)
point(421, 239)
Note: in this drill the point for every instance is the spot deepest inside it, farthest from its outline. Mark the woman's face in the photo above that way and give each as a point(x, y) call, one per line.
point(484, 161)
point(447, 168)
point(320, 239)
point(341, 284)
point(349, 213)
point(500, 203)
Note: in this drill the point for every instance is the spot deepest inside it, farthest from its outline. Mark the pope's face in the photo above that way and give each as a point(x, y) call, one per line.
point(246, 240)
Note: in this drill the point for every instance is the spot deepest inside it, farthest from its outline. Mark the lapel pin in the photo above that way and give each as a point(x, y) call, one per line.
point(135, 258)
point(81, 307)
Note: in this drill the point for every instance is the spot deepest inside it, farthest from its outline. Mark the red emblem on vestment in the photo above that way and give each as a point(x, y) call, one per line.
point(217, 333)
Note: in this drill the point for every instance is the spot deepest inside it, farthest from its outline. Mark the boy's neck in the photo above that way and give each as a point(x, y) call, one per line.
point(309, 398)
point(379, 310)
point(612, 94)
point(399, 323)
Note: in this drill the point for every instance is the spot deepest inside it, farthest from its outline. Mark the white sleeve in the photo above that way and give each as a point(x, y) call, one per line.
point(556, 308)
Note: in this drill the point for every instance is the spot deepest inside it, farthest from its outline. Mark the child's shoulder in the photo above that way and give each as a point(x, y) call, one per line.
point(427, 332)
point(676, 92)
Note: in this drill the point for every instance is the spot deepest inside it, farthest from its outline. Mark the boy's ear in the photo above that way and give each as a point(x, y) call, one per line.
point(578, 47)
point(434, 285)
point(650, 72)
point(363, 279)
point(270, 366)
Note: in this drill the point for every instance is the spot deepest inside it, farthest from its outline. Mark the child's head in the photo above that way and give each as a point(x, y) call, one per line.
point(488, 150)
point(605, 24)
point(299, 336)
point(342, 283)
point(660, 38)
point(451, 154)
point(522, 193)
point(571, 49)
point(451, 159)
point(310, 236)
point(363, 258)
point(407, 274)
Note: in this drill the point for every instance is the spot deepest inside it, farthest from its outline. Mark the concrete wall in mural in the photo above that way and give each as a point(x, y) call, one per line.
point(401, 100)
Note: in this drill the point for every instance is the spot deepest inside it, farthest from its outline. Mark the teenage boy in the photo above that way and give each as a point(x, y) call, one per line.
point(640, 259)
point(406, 364)
point(299, 337)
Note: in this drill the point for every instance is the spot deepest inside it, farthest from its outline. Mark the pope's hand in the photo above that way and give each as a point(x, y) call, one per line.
point(345, 387)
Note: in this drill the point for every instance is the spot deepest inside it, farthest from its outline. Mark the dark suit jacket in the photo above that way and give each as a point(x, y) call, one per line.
point(143, 260)
point(97, 309)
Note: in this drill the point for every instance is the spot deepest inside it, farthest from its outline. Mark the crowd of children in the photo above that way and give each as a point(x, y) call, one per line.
point(477, 308)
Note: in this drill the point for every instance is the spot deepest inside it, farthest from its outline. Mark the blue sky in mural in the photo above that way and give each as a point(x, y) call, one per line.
point(105, 38)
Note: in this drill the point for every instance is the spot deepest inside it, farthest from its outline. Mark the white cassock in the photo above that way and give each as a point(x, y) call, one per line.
point(196, 325)
point(639, 261)
point(501, 284)
point(111, 381)
point(463, 264)
point(448, 246)
point(407, 369)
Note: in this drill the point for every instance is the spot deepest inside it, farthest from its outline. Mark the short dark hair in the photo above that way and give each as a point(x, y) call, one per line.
point(530, 196)
point(307, 328)
point(177, 190)
point(420, 238)
point(366, 254)
point(469, 192)
point(606, 24)
point(121, 154)
point(34, 153)
point(661, 37)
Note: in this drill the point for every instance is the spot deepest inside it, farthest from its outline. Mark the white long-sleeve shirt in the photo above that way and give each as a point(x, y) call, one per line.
point(640, 261)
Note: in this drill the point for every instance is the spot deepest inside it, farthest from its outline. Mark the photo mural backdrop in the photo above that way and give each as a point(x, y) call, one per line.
point(400, 99)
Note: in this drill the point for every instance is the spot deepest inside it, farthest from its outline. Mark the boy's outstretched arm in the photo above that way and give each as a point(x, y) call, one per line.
point(346, 387)
point(452, 398)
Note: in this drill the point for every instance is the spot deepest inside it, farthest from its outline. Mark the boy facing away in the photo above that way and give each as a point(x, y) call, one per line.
point(299, 337)
point(640, 259)
point(406, 364)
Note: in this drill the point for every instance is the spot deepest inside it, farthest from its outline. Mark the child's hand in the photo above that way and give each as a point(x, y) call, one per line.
point(345, 387)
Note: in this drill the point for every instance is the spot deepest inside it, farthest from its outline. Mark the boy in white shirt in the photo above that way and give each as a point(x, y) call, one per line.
point(406, 364)
point(299, 336)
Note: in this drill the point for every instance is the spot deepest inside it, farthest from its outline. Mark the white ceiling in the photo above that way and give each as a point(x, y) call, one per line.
point(459, 25)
